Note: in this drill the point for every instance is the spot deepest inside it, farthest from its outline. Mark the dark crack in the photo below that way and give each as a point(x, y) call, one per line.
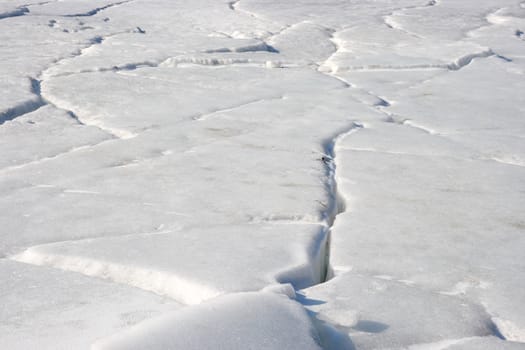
point(21, 11)
point(259, 47)
point(97, 10)
point(466, 60)
point(27, 106)
point(337, 204)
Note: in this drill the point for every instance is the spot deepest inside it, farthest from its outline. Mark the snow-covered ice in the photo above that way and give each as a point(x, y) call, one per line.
point(262, 174)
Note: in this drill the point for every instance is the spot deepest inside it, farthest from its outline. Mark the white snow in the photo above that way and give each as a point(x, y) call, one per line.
point(231, 156)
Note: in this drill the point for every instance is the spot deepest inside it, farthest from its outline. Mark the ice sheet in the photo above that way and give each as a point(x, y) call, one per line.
point(196, 149)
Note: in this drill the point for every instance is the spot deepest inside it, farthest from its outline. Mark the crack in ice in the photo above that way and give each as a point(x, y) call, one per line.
point(20, 11)
point(98, 9)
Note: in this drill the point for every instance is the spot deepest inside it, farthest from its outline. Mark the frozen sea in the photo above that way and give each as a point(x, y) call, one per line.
point(262, 174)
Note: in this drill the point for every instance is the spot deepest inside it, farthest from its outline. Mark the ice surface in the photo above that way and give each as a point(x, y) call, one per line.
point(201, 150)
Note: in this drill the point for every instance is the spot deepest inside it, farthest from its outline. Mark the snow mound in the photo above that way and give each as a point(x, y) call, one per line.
point(238, 321)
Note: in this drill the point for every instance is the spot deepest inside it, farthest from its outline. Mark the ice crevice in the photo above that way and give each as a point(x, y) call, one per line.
point(27, 106)
point(95, 11)
point(20, 11)
point(337, 204)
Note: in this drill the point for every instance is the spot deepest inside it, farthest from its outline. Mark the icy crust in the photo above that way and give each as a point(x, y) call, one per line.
point(196, 265)
point(44, 308)
point(249, 321)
